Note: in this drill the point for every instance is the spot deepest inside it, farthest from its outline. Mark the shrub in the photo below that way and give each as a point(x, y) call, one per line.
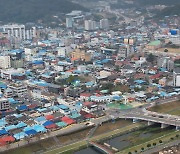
point(148, 145)
point(135, 151)
point(172, 138)
point(154, 144)
point(160, 141)
point(142, 148)
point(177, 135)
point(129, 153)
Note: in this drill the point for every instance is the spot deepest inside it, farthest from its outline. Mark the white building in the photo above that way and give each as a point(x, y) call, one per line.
point(15, 30)
point(69, 22)
point(4, 104)
point(5, 62)
point(176, 77)
point(19, 31)
point(104, 24)
point(90, 25)
point(18, 89)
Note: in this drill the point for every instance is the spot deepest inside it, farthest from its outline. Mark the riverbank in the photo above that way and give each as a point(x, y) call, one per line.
point(172, 108)
point(82, 144)
point(67, 138)
point(152, 143)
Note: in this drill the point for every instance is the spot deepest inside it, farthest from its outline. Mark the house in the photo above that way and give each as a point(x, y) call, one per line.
point(85, 96)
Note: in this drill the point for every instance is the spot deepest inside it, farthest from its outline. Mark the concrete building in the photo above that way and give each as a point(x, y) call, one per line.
point(18, 89)
point(176, 77)
point(90, 25)
point(19, 31)
point(15, 30)
point(69, 22)
point(166, 62)
point(79, 54)
point(104, 24)
point(124, 51)
point(4, 104)
point(5, 62)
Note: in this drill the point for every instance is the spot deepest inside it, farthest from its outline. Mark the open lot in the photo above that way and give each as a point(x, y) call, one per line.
point(171, 50)
point(169, 108)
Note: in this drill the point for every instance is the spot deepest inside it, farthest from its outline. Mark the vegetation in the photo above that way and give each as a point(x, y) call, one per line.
point(165, 50)
point(169, 108)
point(33, 10)
point(148, 145)
point(143, 3)
point(150, 58)
point(169, 11)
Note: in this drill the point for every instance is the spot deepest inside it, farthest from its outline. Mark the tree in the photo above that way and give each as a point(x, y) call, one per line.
point(165, 50)
point(154, 144)
point(150, 58)
point(177, 135)
point(148, 145)
point(172, 138)
point(142, 148)
point(135, 151)
point(129, 152)
point(160, 141)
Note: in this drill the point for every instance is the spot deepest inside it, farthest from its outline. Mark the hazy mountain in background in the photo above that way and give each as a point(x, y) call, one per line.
point(168, 11)
point(32, 10)
point(172, 6)
point(143, 3)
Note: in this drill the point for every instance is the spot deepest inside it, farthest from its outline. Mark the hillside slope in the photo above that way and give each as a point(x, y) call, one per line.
point(32, 10)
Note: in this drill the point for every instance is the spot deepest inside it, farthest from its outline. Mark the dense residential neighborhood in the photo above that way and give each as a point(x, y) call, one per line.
point(54, 78)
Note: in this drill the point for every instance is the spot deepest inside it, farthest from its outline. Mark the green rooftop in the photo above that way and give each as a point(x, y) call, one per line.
point(155, 43)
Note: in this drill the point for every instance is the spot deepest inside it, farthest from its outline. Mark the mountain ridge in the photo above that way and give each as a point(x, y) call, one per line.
point(23, 11)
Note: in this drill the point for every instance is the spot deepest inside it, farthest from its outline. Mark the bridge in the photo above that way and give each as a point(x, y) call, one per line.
point(100, 147)
point(151, 120)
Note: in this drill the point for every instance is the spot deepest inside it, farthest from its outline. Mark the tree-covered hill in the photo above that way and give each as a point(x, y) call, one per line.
point(169, 11)
point(143, 3)
point(32, 10)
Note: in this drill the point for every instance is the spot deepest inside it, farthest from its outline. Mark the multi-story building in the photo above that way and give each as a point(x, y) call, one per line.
point(104, 24)
point(176, 77)
point(4, 104)
point(19, 31)
point(15, 30)
point(124, 51)
point(166, 62)
point(90, 25)
point(5, 62)
point(69, 22)
point(80, 55)
point(18, 89)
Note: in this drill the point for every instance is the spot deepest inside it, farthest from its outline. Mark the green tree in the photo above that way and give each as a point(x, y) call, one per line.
point(154, 144)
point(160, 141)
point(151, 58)
point(165, 50)
point(148, 145)
point(142, 148)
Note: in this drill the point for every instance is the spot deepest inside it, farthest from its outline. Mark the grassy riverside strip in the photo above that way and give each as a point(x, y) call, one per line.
point(172, 108)
point(165, 139)
point(81, 144)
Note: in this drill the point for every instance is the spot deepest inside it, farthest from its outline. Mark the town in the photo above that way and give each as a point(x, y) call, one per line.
point(58, 80)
